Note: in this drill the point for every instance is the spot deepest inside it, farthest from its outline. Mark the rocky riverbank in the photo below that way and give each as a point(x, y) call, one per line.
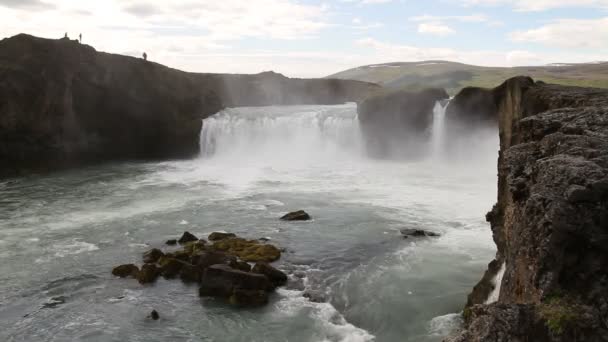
point(550, 223)
point(65, 104)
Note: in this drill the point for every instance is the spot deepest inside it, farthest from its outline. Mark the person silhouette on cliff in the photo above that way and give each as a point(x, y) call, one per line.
point(80, 38)
point(145, 56)
point(66, 36)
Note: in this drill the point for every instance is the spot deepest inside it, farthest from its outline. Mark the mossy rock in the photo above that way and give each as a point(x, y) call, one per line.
point(152, 255)
point(216, 236)
point(194, 247)
point(560, 314)
point(248, 250)
point(148, 274)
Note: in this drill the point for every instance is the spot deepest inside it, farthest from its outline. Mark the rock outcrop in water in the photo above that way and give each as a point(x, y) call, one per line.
point(65, 104)
point(550, 223)
point(396, 123)
point(220, 268)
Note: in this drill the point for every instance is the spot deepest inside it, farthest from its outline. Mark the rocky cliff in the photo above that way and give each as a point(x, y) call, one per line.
point(65, 104)
point(397, 123)
point(550, 223)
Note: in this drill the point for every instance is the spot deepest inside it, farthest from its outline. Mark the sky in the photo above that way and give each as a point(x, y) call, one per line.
point(316, 38)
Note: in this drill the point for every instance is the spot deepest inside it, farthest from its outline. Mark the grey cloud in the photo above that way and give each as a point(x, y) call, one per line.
point(27, 4)
point(142, 10)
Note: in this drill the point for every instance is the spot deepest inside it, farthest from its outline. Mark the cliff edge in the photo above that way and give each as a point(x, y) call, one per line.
point(550, 223)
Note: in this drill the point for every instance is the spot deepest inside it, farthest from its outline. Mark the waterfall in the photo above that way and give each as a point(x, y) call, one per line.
point(438, 129)
point(282, 134)
point(495, 294)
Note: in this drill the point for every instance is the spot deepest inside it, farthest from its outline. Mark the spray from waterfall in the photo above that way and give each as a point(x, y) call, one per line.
point(295, 134)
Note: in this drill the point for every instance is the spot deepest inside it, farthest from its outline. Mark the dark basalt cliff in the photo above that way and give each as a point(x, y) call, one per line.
point(473, 107)
point(550, 223)
point(395, 123)
point(65, 104)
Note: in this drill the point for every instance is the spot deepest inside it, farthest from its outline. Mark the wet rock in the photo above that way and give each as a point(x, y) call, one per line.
point(221, 280)
point(170, 267)
point(248, 250)
point(123, 271)
point(208, 258)
point(194, 247)
point(153, 255)
point(276, 277)
point(190, 273)
point(187, 237)
point(148, 274)
point(299, 215)
point(240, 265)
point(216, 236)
point(179, 255)
point(417, 233)
point(171, 242)
point(249, 298)
point(154, 315)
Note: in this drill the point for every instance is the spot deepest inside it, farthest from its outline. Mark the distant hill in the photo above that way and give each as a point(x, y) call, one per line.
point(454, 76)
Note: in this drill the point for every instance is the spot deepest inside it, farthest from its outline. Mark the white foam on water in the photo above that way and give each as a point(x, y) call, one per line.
point(183, 222)
point(445, 325)
point(333, 327)
point(75, 247)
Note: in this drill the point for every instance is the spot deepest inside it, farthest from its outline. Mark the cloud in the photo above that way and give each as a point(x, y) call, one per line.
point(387, 52)
point(367, 2)
point(540, 5)
point(473, 18)
point(568, 33)
point(27, 4)
point(436, 29)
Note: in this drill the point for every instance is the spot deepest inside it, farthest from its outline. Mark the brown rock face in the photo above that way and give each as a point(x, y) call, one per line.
point(391, 121)
point(551, 220)
point(65, 104)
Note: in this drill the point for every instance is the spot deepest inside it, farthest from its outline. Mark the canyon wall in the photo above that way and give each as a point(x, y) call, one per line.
point(65, 104)
point(550, 223)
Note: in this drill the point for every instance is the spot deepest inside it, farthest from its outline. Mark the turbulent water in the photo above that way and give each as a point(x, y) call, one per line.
point(61, 234)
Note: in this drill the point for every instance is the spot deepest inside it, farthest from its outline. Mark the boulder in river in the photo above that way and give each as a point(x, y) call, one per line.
point(276, 277)
point(153, 255)
point(170, 267)
point(148, 274)
point(207, 258)
point(241, 297)
point(154, 315)
point(299, 215)
point(187, 237)
point(240, 265)
point(222, 280)
point(127, 270)
point(216, 236)
point(411, 232)
point(171, 242)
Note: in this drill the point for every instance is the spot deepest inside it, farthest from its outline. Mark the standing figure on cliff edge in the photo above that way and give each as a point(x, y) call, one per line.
point(80, 38)
point(145, 56)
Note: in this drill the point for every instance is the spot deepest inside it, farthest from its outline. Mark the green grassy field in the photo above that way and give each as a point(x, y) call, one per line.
point(454, 76)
